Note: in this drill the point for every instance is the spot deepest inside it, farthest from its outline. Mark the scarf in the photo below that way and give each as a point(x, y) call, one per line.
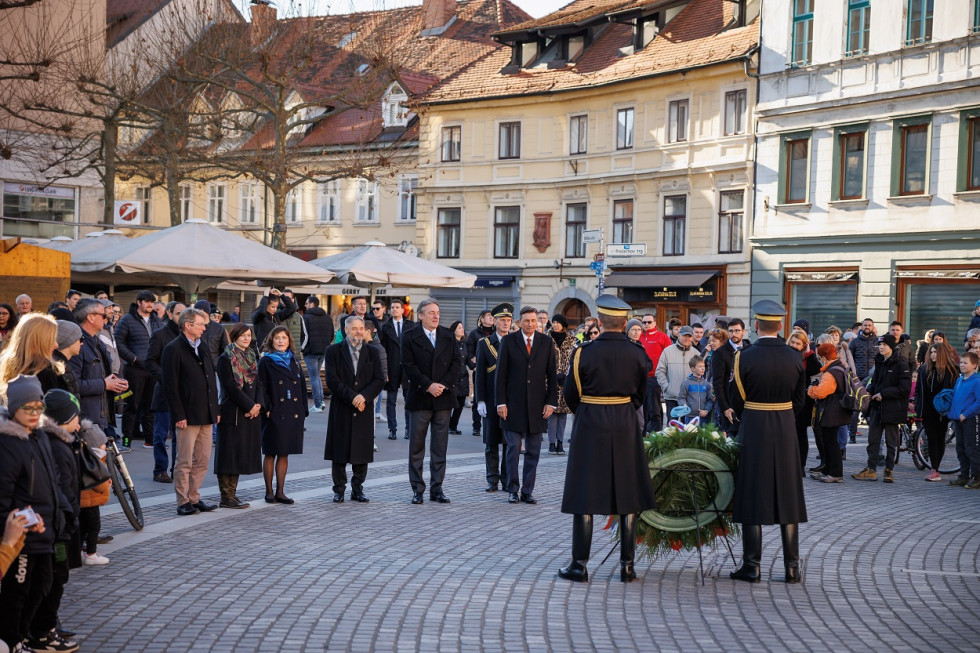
point(244, 365)
point(559, 337)
point(281, 358)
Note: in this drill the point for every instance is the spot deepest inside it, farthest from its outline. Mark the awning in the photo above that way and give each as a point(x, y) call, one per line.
point(683, 279)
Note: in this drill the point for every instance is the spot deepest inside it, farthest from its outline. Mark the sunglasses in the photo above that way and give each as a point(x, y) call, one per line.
point(647, 321)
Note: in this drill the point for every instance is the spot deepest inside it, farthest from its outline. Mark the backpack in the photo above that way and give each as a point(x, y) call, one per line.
point(856, 396)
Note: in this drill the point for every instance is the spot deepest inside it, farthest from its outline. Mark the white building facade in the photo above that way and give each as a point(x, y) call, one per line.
point(868, 162)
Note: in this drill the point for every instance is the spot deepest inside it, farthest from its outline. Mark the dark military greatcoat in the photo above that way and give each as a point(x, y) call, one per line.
point(484, 382)
point(607, 470)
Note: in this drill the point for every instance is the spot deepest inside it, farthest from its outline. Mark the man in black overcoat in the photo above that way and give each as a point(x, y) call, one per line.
point(527, 395)
point(431, 361)
point(607, 470)
point(355, 378)
point(485, 392)
point(769, 387)
point(392, 332)
point(162, 426)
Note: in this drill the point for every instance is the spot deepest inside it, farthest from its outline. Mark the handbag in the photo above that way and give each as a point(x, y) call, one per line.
point(92, 471)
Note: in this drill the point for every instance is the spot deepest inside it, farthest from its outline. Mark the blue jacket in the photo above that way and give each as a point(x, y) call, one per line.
point(966, 398)
point(696, 393)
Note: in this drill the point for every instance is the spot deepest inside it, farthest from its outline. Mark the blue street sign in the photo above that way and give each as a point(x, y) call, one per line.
point(598, 266)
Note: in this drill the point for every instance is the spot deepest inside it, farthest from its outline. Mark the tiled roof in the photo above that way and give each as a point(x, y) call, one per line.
point(702, 34)
point(574, 13)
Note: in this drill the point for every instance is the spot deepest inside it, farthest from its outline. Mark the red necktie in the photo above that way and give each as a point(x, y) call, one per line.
point(528, 346)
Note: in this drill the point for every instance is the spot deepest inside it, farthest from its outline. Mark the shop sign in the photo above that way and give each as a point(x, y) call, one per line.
point(493, 282)
point(57, 192)
point(126, 213)
point(626, 249)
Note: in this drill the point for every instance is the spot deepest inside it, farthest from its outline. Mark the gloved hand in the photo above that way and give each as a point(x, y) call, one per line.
point(481, 408)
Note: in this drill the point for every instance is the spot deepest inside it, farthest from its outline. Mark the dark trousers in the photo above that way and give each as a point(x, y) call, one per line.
point(653, 415)
point(439, 442)
point(477, 420)
point(532, 452)
point(935, 429)
point(24, 586)
point(803, 441)
point(457, 413)
point(89, 525)
point(671, 405)
point(968, 446)
point(874, 444)
point(339, 473)
point(830, 451)
point(46, 616)
point(391, 405)
point(138, 418)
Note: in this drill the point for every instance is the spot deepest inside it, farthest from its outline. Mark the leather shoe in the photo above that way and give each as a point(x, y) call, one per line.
point(627, 573)
point(338, 498)
point(284, 499)
point(102, 539)
point(527, 498)
point(186, 509)
point(232, 503)
point(417, 498)
point(439, 498)
point(491, 487)
point(748, 574)
point(793, 574)
point(359, 497)
point(269, 498)
point(205, 507)
point(392, 436)
point(513, 498)
point(575, 571)
point(163, 477)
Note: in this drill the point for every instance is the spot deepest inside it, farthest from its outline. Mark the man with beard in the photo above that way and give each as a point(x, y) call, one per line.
point(132, 340)
point(722, 364)
point(484, 382)
point(863, 348)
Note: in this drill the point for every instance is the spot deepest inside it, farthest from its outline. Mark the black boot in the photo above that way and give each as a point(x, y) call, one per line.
point(791, 552)
point(226, 500)
point(627, 547)
point(581, 549)
point(751, 554)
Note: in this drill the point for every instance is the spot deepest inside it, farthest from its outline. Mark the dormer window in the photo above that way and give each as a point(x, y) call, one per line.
point(524, 54)
point(645, 30)
point(363, 68)
point(393, 110)
point(347, 40)
point(575, 47)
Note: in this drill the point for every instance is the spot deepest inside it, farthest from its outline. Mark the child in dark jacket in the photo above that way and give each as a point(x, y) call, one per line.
point(696, 392)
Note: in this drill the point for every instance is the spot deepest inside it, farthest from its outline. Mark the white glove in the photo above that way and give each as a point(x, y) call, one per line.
point(482, 409)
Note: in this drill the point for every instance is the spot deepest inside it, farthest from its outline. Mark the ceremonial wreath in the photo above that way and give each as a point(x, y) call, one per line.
point(690, 466)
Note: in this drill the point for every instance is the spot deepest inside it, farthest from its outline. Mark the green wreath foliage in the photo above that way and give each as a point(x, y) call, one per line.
point(672, 527)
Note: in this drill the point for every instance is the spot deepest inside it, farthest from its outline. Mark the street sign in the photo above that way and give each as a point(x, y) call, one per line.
point(592, 236)
point(626, 249)
point(599, 256)
point(598, 266)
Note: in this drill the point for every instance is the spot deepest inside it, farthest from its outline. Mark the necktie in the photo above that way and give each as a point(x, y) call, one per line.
point(398, 331)
point(529, 346)
point(356, 354)
point(432, 338)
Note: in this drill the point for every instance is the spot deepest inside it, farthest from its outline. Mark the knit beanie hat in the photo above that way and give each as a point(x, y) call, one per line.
point(203, 305)
point(803, 324)
point(889, 340)
point(632, 323)
point(22, 389)
point(68, 333)
point(61, 405)
point(560, 319)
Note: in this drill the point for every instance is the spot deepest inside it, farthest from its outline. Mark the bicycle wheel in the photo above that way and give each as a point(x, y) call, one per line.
point(918, 460)
point(950, 463)
point(126, 495)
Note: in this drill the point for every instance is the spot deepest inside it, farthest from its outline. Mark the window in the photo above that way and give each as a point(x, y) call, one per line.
point(510, 140)
point(972, 153)
point(802, 33)
point(216, 203)
point(186, 199)
point(249, 204)
point(828, 302)
point(677, 121)
point(506, 231)
point(730, 222)
point(675, 215)
point(451, 143)
point(797, 171)
point(919, 22)
point(407, 200)
point(574, 228)
point(575, 47)
point(623, 221)
point(976, 16)
point(913, 159)
point(294, 211)
point(858, 27)
point(38, 211)
point(367, 201)
point(735, 106)
point(394, 112)
point(328, 202)
point(624, 128)
point(448, 233)
point(143, 196)
point(851, 157)
point(578, 135)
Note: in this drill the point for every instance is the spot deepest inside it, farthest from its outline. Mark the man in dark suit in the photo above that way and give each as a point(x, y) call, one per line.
point(527, 395)
point(430, 360)
point(484, 382)
point(355, 379)
point(769, 389)
point(391, 340)
point(191, 388)
point(722, 364)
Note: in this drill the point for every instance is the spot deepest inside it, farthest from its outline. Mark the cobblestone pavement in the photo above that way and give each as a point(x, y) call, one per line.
point(887, 567)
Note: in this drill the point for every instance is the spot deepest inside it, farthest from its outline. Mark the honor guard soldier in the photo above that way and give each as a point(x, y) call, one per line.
point(607, 468)
point(484, 380)
point(769, 387)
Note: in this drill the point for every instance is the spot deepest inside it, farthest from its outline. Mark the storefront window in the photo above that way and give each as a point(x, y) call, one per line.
point(824, 304)
point(947, 307)
point(38, 212)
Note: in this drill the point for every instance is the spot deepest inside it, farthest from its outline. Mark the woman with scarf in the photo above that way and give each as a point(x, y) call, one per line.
point(237, 448)
point(284, 409)
point(565, 345)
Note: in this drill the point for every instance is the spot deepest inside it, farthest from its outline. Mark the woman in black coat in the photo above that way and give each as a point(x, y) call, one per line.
point(238, 446)
point(462, 387)
point(937, 374)
point(284, 409)
point(799, 341)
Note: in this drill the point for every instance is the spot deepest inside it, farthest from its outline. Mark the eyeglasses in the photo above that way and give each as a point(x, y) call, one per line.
point(102, 315)
point(32, 410)
point(379, 308)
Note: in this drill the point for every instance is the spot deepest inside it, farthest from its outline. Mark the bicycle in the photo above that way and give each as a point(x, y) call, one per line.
point(125, 492)
point(921, 450)
point(908, 441)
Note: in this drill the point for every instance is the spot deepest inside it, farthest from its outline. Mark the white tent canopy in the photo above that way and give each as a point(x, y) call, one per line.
point(374, 264)
point(196, 255)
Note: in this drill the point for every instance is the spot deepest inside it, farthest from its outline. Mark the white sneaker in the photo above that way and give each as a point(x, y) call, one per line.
point(376, 446)
point(93, 559)
point(382, 418)
point(316, 409)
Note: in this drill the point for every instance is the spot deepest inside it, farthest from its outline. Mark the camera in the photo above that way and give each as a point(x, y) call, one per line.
point(30, 514)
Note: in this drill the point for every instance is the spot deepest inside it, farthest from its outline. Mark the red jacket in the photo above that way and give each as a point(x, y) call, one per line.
point(654, 342)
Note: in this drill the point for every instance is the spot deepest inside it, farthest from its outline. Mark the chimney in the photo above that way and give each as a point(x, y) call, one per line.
point(437, 13)
point(263, 20)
